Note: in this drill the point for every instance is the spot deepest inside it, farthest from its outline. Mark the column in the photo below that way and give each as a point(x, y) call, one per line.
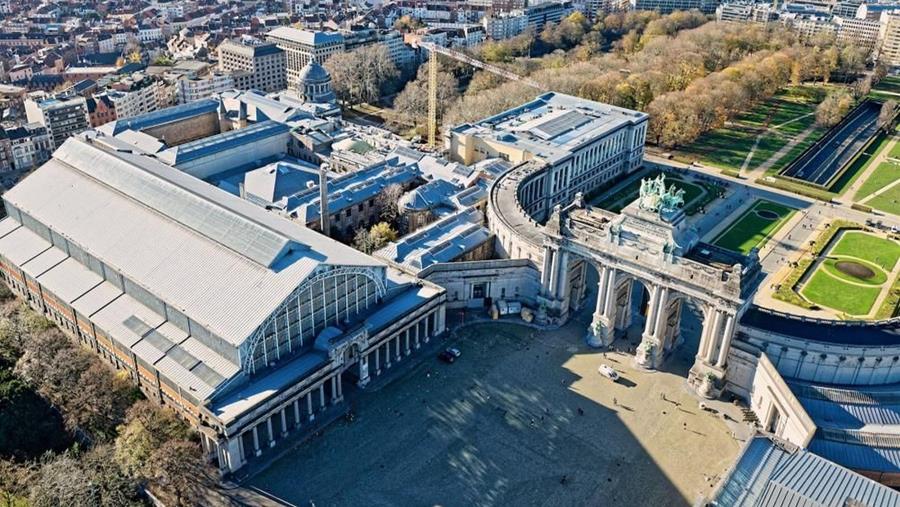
point(651, 312)
point(713, 336)
point(271, 432)
point(563, 276)
point(377, 360)
point(256, 450)
point(661, 316)
point(334, 392)
point(406, 341)
point(309, 410)
point(397, 347)
point(726, 341)
point(554, 275)
point(425, 335)
point(601, 292)
point(297, 413)
point(415, 333)
point(284, 426)
point(340, 388)
point(546, 267)
point(387, 353)
point(610, 299)
point(322, 396)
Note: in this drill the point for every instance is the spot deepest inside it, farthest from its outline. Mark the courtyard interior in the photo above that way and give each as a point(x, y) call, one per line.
point(522, 418)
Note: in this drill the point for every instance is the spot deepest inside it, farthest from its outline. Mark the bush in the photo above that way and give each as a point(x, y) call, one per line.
point(796, 187)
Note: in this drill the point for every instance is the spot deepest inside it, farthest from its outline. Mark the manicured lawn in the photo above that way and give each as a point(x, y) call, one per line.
point(881, 251)
point(629, 193)
point(895, 151)
point(888, 201)
point(728, 147)
point(860, 164)
point(884, 174)
point(825, 290)
point(751, 230)
point(889, 84)
point(878, 275)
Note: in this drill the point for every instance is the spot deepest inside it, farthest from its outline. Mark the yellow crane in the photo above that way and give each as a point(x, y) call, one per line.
point(433, 51)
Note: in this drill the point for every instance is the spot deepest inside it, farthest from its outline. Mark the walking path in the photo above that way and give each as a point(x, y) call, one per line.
point(761, 169)
point(880, 157)
point(885, 291)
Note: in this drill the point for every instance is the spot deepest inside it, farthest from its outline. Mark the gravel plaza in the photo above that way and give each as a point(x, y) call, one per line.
point(522, 418)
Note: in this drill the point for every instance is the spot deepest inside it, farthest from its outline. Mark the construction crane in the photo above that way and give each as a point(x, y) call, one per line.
point(433, 51)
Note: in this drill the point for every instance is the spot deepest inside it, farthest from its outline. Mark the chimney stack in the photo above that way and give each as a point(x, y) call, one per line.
point(324, 215)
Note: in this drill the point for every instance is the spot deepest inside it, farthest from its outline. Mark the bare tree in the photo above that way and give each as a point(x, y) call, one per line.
point(387, 201)
point(358, 76)
point(887, 115)
point(179, 472)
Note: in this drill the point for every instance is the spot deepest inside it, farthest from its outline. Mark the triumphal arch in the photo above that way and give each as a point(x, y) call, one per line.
point(648, 246)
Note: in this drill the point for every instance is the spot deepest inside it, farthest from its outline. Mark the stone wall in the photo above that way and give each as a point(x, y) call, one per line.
point(508, 279)
point(184, 131)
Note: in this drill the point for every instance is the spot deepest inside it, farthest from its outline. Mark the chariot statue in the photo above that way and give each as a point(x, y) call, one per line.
point(654, 196)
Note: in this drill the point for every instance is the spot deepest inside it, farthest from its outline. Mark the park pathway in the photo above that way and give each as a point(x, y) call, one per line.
point(849, 195)
point(761, 169)
point(885, 291)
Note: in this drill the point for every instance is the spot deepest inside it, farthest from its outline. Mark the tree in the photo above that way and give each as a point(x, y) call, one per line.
point(411, 104)
point(408, 24)
point(381, 234)
point(145, 429)
point(387, 202)
point(887, 114)
point(835, 106)
point(179, 472)
point(362, 241)
point(360, 75)
point(61, 481)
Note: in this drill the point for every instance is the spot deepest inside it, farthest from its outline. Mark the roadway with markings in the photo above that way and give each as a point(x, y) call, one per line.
point(822, 163)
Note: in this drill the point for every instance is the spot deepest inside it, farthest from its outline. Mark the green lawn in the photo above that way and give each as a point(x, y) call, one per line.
point(888, 201)
point(629, 193)
point(884, 174)
point(889, 84)
point(878, 277)
point(750, 230)
point(860, 164)
point(825, 290)
point(881, 251)
point(728, 147)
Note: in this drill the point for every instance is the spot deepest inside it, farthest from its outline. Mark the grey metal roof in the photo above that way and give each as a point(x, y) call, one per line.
point(212, 145)
point(442, 241)
point(161, 117)
point(223, 262)
point(774, 474)
point(304, 36)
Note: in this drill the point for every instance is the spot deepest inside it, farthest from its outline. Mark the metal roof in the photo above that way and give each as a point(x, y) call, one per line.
point(775, 474)
point(223, 262)
point(219, 143)
point(161, 117)
point(304, 36)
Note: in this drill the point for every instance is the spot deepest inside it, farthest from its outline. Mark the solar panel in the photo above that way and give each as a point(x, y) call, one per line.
point(561, 124)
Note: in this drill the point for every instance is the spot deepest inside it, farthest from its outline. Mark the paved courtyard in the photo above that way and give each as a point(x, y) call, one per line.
point(522, 418)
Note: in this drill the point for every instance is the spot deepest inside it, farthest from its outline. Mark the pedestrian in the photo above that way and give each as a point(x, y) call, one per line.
point(580, 411)
point(615, 402)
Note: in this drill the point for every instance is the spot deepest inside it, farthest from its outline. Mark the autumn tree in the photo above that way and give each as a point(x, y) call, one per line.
point(887, 114)
point(411, 104)
point(835, 106)
point(359, 76)
point(387, 203)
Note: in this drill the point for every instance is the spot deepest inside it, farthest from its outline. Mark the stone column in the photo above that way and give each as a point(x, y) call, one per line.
point(271, 431)
point(340, 387)
point(554, 276)
point(309, 409)
point(256, 450)
point(322, 396)
point(713, 336)
point(546, 266)
point(415, 334)
point(363, 371)
point(406, 341)
point(559, 291)
point(284, 426)
point(387, 353)
point(648, 352)
point(378, 360)
point(297, 413)
point(600, 332)
point(334, 391)
point(726, 341)
point(397, 348)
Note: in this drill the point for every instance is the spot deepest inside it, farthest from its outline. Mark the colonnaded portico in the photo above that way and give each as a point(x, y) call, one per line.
point(648, 246)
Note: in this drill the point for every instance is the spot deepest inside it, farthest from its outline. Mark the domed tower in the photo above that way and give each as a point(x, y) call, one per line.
point(314, 84)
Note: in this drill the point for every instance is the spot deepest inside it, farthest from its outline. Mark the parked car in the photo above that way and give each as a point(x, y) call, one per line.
point(608, 372)
point(449, 355)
